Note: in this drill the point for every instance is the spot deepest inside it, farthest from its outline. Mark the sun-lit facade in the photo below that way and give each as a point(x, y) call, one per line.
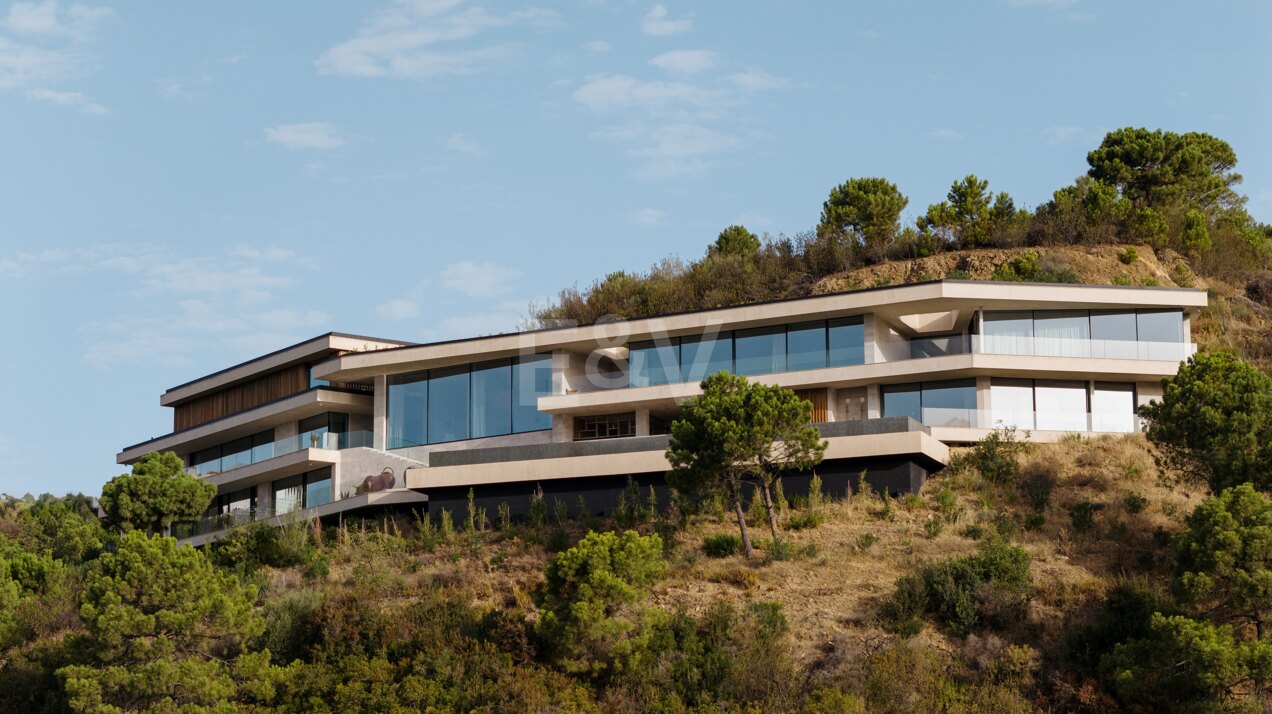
point(895, 374)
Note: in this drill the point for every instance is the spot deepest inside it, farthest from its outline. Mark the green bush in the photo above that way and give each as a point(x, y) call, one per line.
point(1134, 503)
point(1128, 256)
point(995, 455)
point(964, 592)
point(1034, 521)
point(805, 519)
point(933, 526)
point(1037, 486)
point(722, 545)
point(1082, 515)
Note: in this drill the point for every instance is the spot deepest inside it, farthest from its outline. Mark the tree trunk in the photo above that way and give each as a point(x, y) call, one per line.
point(1260, 687)
point(737, 508)
point(767, 494)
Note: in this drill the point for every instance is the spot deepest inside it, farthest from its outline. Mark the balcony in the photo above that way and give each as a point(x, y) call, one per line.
point(282, 447)
point(1098, 422)
point(923, 348)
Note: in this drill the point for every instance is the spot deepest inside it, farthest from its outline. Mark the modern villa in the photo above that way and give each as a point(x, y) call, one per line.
point(342, 423)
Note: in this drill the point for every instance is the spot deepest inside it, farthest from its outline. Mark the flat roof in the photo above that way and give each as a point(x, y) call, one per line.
point(359, 366)
point(271, 361)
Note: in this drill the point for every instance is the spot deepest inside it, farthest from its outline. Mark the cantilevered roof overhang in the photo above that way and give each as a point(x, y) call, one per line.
point(913, 309)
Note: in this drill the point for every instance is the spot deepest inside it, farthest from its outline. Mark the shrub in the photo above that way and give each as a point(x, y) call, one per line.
point(933, 526)
point(1082, 515)
point(995, 455)
point(866, 540)
point(946, 502)
point(1034, 521)
point(963, 592)
point(1128, 256)
point(1134, 503)
point(1037, 486)
point(1121, 280)
point(804, 520)
point(721, 545)
point(973, 531)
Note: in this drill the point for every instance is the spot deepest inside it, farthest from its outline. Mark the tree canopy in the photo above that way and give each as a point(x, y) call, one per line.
point(1214, 422)
point(155, 495)
point(741, 432)
point(864, 212)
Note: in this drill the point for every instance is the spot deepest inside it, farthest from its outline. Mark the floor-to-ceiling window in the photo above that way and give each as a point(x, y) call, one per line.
point(408, 403)
point(1062, 333)
point(805, 346)
point(234, 454)
point(1113, 407)
point(845, 342)
point(654, 362)
point(759, 351)
point(531, 379)
point(448, 404)
point(313, 488)
point(1011, 403)
point(329, 430)
point(702, 357)
point(1061, 406)
point(491, 400)
point(469, 401)
point(1114, 334)
point(949, 403)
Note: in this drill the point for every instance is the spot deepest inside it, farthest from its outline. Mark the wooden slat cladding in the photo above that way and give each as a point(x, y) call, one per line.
point(816, 397)
point(241, 397)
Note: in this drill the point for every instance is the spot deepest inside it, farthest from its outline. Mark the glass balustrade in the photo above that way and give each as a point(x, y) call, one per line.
point(1031, 420)
point(1098, 349)
point(279, 447)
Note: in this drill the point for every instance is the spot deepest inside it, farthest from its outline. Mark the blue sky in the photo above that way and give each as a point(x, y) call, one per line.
point(187, 185)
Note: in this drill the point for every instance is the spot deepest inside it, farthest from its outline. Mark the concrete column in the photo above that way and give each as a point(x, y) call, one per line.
point(982, 399)
point(264, 497)
point(874, 404)
point(642, 422)
point(562, 428)
point(868, 338)
point(380, 413)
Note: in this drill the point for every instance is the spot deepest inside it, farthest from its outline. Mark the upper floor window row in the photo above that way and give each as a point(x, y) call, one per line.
point(763, 350)
point(1118, 334)
point(231, 455)
point(469, 401)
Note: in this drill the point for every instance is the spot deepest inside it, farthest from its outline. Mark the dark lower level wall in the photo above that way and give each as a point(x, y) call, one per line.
point(600, 494)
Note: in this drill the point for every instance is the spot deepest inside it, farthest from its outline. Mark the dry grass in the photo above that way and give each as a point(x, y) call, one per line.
point(844, 569)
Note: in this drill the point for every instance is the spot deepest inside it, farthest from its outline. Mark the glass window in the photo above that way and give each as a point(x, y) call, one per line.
point(1008, 333)
point(408, 400)
point(1061, 406)
point(236, 454)
point(314, 381)
point(760, 351)
point(241, 502)
point(951, 403)
point(207, 461)
point(491, 400)
point(1113, 407)
point(448, 405)
point(1113, 334)
point(289, 494)
point(317, 488)
point(702, 357)
point(846, 342)
point(1011, 403)
point(903, 400)
point(1160, 325)
point(531, 379)
point(1062, 333)
point(938, 346)
point(806, 346)
point(652, 363)
point(1161, 334)
point(263, 446)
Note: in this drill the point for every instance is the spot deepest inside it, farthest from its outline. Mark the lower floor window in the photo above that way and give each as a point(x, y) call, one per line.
point(303, 491)
point(605, 426)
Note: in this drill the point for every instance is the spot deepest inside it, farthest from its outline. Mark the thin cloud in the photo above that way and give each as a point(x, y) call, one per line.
point(71, 100)
point(478, 279)
point(604, 93)
point(686, 61)
point(399, 309)
point(757, 81)
point(460, 143)
point(946, 134)
point(50, 19)
point(427, 39)
point(657, 22)
point(596, 46)
point(649, 216)
point(308, 135)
